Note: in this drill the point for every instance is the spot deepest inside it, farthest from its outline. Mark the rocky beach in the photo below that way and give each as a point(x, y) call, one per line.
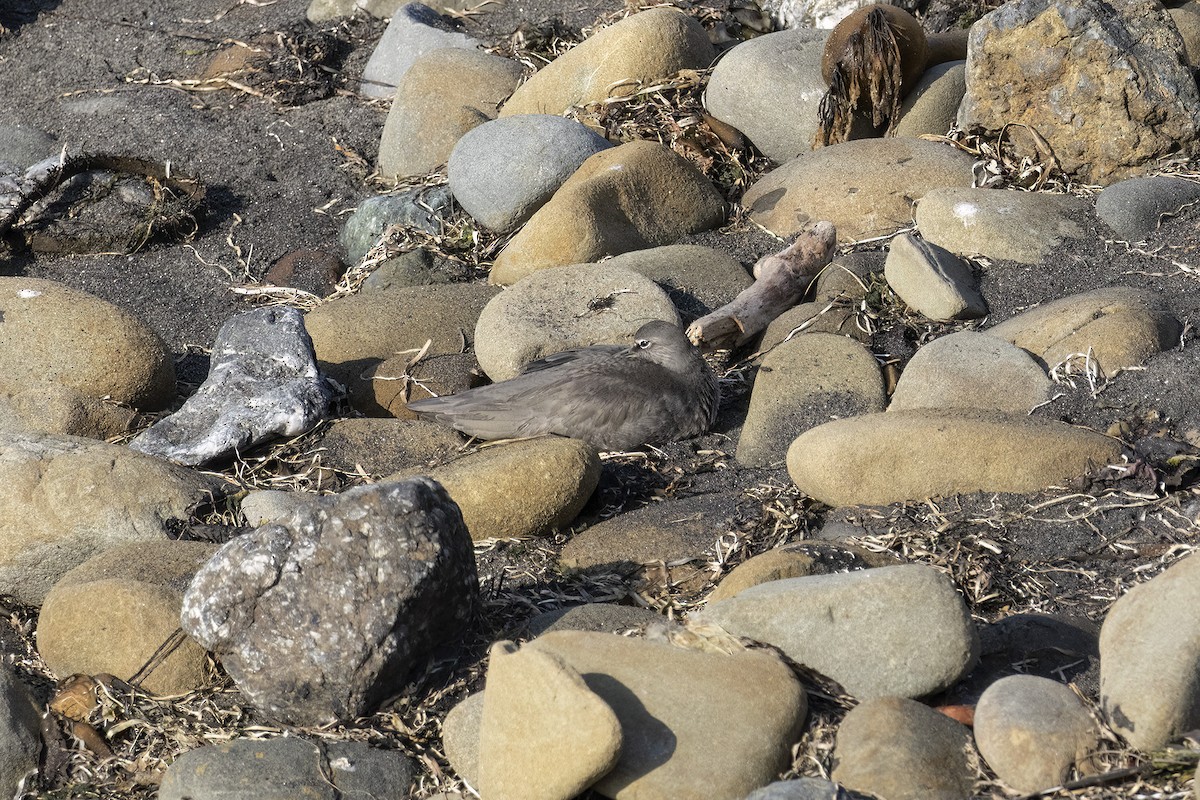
point(938, 539)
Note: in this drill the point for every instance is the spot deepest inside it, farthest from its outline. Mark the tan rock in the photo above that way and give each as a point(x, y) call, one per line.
point(544, 735)
point(112, 612)
point(1187, 21)
point(823, 316)
point(396, 381)
point(442, 96)
point(643, 47)
point(630, 197)
point(54, 408)
point(864, 187)
point(460, 737)
point(1105, 329)
point(53, 334)
point(796, 560)
point(804, 383)
point(523, 488)
point(914, 455)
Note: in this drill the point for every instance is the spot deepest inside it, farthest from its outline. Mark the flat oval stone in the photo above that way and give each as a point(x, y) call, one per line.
point(900, 456)
point(1134, 208)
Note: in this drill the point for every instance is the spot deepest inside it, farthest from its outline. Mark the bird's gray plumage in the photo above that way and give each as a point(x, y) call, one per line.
point(658, 389)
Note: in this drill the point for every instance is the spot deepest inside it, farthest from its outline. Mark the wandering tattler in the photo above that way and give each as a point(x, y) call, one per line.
point(658, 389)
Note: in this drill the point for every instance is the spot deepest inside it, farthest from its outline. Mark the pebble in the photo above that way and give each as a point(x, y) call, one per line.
point(914, 455)
point(971, 370)
point(796, 560)
point(1000, 224)
point(1134, 208)
point(140, 587)
point(798, 789)
point(769, 88)
point(20, 731)
point(64, 499)
point(1031, 65)
point(891, 631)
point(263, 384)
point(933, 281)
point(443, 96)
point(601, 210)
point(865, 187)
point(420, 208)
point(1150, 658)
point(643, 47)
point(373, 579)
point(544, 734)
point(1106, 330)
point(932, 105)
point(1032, 730)
point(564, 308)
point(272, 506)
point(313, 271)
point(388, 387)
point(823, 316)
point(414, 268)
point(902, 750)
point(287, 768)
point(697, 279)
point(503, 171)
point(521, 489)
point(414, 31)
point(801, 384)
point(847, 277)
point(60, 409)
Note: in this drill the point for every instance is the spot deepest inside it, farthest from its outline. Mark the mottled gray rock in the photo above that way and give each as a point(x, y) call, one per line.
point(323, 617)
point(903, 750)
point(803, 383)
point(263, 384)
point(1134, 208)
point(272, 506)
point(901, 631)
point(932, 105)
point(504, 170)
point(20, 731)
point(972, 370)
point(1002, 224)
point(288, 768)
point(63, 499)
point(769, 88)
point(415, 30)
point(413, 208)
point(1031, 730)
point(1150, 658)
point(798, 789)
point(1105, 85)
point(563, 308)
point(932, 280)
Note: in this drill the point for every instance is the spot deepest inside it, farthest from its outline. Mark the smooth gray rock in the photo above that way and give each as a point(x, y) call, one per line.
point(799, 789)
point(287, 768)
point(901, 631)
point(932, 280)
point(264, 383)
point(597, 617)
point(698, 279)
point(1031, 730)
point(272, 506)
point(504, 170)
point(323, 617)
point(1134, 208)
point(1150, 658)
point(20, 732)
point(769, 88)
point(932, 105)
point(413, 208)
point(903, 750)
point(414, 268)
point(415, 30)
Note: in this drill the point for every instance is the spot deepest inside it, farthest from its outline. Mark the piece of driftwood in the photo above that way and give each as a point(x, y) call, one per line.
point(780, 282)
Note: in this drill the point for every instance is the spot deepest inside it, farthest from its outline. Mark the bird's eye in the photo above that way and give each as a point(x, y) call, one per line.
point(642, 344)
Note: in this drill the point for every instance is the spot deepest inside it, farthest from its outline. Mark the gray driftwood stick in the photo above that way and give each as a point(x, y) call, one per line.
point(780, 282)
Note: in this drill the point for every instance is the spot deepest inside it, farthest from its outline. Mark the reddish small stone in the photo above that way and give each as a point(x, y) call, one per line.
point(311, 270)
point(963, 714)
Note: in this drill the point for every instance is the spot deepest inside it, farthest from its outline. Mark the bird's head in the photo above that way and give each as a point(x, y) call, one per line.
point(663, 343)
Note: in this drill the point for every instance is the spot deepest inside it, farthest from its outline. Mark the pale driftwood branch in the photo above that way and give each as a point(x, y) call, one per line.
point(781, 281)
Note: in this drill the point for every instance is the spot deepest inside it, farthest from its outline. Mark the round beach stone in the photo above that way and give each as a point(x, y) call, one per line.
point(383, 446)
point(1002, 224)
point(933, 281)
point(415, 30)
point(823, 316)
point(903, 750)
point(900, 630)
point(932, 105)
point(638, 195)
point(112, 612)
point(506, 169)
point(645, 46)
point(271, 506)
point(445, 94)
point(1150, 658)
point(796, 560)
point(59, 409)
point(1113, 328)
point(972, 370)
point(804, 383)
point(460, 736)
point(563, 308)
point(520, 489)
point(769, 88)
point(1134, 208)
point(388, 387)
point(798, 789)
point(864, 187)
point(918, 454)
point(698, 279)
point(54, 335)
point(1031, 730)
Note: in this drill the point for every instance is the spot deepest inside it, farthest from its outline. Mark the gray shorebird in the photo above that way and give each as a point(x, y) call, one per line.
point(658, 389)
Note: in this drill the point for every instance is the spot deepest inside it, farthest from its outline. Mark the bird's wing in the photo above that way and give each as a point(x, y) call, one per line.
point(598, 352)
